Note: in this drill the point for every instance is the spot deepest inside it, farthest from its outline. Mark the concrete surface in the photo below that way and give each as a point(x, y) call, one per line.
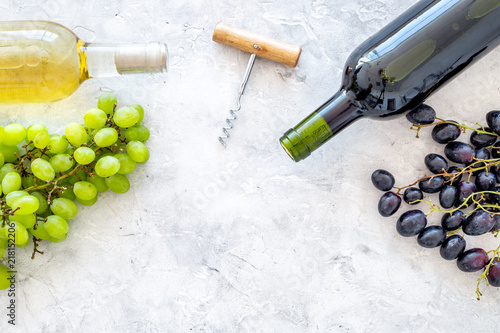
point(243, 239)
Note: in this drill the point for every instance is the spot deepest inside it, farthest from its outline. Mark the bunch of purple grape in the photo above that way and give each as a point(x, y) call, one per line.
point(465, 179)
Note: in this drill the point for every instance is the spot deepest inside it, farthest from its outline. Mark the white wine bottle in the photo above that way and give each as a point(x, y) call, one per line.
point(396, 69)
point(43, 61)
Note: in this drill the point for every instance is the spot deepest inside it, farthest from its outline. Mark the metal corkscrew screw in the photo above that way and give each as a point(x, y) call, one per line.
point(256, 45)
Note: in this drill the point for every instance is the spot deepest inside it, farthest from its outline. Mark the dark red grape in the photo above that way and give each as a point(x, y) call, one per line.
point(452, 247)
point(411, 223)
point(444, 133)
point(459, 152)
point(448, 196)
point(432, 236)
point(466, 189)
point(472, 260)
point(436, 163)
point(389, 204)
point(383, 180)
point(493, 121)
point(494, 273)
point(478, 223)
point(452, 221)
point(485, 181)
point(482, 139)
point(431, 184)
point(422, 115)
point(412, 194)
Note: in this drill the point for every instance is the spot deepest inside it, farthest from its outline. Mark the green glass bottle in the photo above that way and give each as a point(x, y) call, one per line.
point(395, 70)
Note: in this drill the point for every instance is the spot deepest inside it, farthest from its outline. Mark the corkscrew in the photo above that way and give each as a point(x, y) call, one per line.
point(256, 45)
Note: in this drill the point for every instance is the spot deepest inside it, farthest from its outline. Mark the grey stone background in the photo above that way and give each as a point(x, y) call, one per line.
point(243, 239)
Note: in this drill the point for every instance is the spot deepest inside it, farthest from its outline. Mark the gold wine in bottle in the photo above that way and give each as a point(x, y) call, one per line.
point(396, 69)
point(43, 61)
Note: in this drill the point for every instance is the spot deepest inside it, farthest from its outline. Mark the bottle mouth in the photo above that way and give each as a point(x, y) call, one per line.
point(294, 146)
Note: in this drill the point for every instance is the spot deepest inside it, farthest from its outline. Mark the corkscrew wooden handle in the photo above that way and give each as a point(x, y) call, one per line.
point(262, 46)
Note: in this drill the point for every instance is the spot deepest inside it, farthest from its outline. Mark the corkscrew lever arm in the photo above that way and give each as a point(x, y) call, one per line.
point(256, 45)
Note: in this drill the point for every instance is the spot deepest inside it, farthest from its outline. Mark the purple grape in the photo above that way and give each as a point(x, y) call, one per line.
point(478, 223)
point(383, 180)
point(412, 194)
point(472, 260)
point(466, 189)
point(494, 198)
point(485, 181)
point(496, 226)
point(459, 152)
point(482, 139)
point(481, 154)
point(431, 237)
point(411, 223)
point(452, 247)
point(458, 177)
point(436, 163)
point(444, 133)
point(431, 184)
point(388, 204)
point(495, 150)
point(494, 273)
point(453, 221)
point(493, 121)
point(422, 115)
point(448, 196)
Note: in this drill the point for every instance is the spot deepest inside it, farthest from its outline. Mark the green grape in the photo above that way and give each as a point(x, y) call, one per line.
point(33, 130)
point(118, 183)
point(61, 162)
point(9, 153)
point(28, 181)
point(84, 155)
point(75, 134)
point(5, 278)
point(28, 221)
point(138, 151)
point(57, 144)
point(25, 205)
point(99, 183)
point(13, 196)
point(41, 140)
point(42, 201)
point(5, 169)
point(14, 134)
point(2, 252)
point(107, 102)
point(11, 182)
point(140, 110)
point(42, 169)
point(107, 166)
point(126, 117)
point(3, 234)
point(79, 175)
point(137, 133)
point(57, 240)
point(39, 230)
point(127, 164)
point(67, 193)
point(84, 190)
point(105, 137)
point(2, 159)
point(56, 226)
point(25, 244)
point(87, 202)
point(20, 233)
point(95, 118)
point(64, 208)
point(2, 133)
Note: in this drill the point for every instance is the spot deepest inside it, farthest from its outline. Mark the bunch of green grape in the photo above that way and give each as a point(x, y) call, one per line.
point(42, 175)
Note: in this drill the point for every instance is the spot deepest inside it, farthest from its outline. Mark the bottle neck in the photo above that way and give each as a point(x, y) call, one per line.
point(320, 126)
point(105, 60)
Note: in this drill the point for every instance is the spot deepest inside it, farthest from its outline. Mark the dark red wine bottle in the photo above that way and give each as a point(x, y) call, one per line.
point(396, 69)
